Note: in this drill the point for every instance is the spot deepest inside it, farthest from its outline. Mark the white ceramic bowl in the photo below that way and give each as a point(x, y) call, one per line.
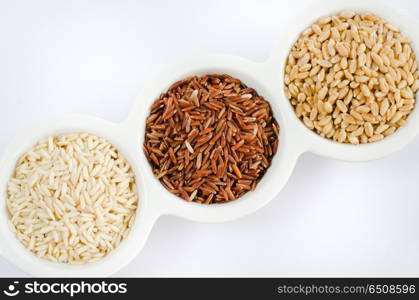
point(155, 200)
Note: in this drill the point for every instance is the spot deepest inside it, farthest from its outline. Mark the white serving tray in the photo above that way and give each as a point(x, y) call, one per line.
point(154, 199)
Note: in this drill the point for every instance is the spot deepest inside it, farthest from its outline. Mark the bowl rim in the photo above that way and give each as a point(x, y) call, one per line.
point(290, 34)
point(253, 75)
point(15, 252)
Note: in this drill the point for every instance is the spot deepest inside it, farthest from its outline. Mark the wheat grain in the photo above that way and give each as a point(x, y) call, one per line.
point(351, 76)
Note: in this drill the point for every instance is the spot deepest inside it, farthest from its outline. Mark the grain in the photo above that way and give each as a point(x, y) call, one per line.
point(352, 78)
point(210, 139)
point(72, 198)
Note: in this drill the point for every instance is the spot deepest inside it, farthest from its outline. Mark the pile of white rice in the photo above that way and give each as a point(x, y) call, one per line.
point(72, 198)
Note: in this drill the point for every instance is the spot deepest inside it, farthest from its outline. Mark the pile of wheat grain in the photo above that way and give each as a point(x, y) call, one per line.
point(352, 78)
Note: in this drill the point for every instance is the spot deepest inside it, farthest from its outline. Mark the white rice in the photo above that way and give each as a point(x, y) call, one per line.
point(72, 198)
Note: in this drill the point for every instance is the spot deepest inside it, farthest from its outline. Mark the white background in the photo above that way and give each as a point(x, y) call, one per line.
point(91, 57)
